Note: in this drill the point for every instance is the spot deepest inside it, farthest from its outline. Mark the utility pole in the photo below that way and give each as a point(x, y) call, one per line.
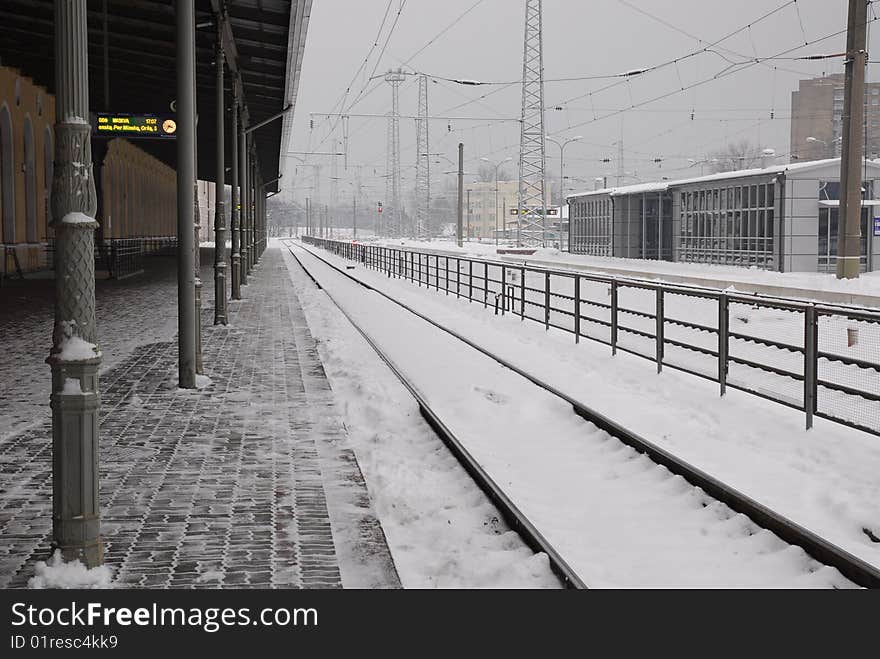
point(459, 227)
point(620, 172)
point(849, 231)
point(354, 217)
point(308, 218)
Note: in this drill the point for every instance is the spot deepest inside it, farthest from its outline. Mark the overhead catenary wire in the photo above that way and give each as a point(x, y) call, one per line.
point(723, 73)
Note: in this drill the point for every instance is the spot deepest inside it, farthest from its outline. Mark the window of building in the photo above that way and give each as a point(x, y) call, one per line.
point(828, 233)
point(591, 227)
point(728, 225)
point(829, 221)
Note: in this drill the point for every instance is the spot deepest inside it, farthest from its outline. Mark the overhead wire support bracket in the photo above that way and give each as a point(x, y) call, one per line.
point(251, 129)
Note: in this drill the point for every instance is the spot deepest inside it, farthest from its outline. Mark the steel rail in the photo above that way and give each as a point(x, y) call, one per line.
point(514, 517)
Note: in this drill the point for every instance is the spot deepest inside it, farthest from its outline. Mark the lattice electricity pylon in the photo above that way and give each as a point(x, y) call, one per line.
point(394, 219)
point(334, 183)
point(316, 192)
point(423, 167)
point(532, 199)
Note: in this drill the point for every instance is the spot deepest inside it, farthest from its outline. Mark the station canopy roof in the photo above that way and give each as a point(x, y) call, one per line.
point(264, 41)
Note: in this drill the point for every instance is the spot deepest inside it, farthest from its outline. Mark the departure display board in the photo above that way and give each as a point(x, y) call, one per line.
point(144, 126)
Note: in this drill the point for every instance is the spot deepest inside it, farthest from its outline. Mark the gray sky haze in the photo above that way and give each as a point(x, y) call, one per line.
point(585, 42)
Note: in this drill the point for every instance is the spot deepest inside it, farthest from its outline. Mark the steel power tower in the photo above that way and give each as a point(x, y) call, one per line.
point(532, 199)
point(393, 209)
point(334, 185)
point(423, 167)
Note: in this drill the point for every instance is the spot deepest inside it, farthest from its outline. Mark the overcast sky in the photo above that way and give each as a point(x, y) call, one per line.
point(581, 38)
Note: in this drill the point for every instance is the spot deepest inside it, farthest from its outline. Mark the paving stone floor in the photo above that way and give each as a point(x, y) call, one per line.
point(248, 482)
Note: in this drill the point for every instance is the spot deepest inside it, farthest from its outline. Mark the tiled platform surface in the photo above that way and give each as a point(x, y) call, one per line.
point(247, 482)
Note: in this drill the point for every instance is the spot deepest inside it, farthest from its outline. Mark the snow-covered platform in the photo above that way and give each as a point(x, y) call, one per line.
point(246, 482)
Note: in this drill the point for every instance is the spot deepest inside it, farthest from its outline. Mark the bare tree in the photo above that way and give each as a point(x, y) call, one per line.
point(736, 155)
point(486, 173)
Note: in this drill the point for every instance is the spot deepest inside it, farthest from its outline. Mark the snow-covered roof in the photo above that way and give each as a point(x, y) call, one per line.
point(660, 186)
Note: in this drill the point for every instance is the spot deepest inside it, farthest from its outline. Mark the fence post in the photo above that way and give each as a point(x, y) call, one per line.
point(503, 286)
point(811, 365)
point(577, 308)
point(446, 260)
point(723, 340)
point(547, 301)
point(659, 330)
point(613, 317)
point(457, 277)
point(522, 294)
point(485, 284)
point(470, 281)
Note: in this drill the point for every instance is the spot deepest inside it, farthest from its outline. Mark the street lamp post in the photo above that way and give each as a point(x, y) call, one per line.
point(469, 215)
point(829, 149)
point(496, 166)
point(562, 146)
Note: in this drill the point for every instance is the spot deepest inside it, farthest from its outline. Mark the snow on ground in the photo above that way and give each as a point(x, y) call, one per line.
point(866, 284)
point(73, 574)
point(824, 479)
point(616, 517)
point(441, 529)
point(130, 313)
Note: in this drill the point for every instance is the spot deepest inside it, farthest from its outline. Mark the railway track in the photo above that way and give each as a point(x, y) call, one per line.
point(850, 566)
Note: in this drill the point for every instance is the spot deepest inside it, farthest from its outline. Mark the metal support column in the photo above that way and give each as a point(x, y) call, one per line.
point(220, 317)
point(261, 220)
point(186, 192)
point(235, 201)
point(251, 198)
point(197, 225)
point(252, 211)
point(258, 200)
point(258, 219)
point(75, 358)
point(245, 203)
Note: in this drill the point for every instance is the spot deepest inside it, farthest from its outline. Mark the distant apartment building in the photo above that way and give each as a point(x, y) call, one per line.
point(482, 216)
point(816, 118)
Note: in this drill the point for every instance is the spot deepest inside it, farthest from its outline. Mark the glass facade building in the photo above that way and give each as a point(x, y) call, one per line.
point(781, 218)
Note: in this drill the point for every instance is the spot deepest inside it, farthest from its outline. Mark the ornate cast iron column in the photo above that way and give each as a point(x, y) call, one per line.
point(235, 200)
point(219, 189)
point(186, 194)
point(75, 357)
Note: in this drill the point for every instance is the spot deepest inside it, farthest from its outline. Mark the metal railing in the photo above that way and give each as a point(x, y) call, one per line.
point(822, 359)
point(123, 257)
